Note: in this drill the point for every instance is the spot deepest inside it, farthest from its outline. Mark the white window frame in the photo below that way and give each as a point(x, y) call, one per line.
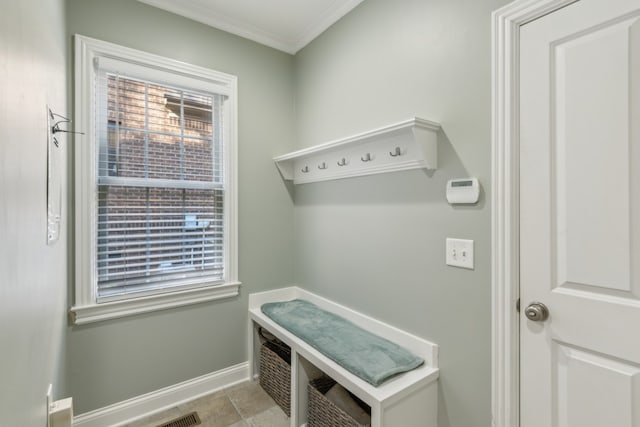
point(89, 52)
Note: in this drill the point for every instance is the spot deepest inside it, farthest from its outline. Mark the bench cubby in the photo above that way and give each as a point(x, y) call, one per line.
point(408, 399)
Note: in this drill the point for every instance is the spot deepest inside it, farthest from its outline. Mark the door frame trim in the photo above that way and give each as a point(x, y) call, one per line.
point(505, 170)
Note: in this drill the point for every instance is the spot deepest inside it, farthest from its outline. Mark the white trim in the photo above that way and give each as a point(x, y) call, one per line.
point(88, 51)
point(85, 244)
point(148, 67)
point(324, 23)
point(231, 182)
point(225, 23)
point(165, 398)
point(108, 52)
point(112, 310)
point(234, 26)
point(506, 23)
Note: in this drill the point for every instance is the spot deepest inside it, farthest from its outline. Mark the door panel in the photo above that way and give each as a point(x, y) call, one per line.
point(580, 215)
point(590, 103)
point(595, 390)
point(592, 203)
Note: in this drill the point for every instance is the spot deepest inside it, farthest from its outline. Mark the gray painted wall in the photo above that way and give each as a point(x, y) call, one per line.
point(377, 243)
point(373, 243)
point(112, 361)
point(33, 276)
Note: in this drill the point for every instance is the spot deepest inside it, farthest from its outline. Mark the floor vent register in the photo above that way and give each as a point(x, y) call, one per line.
point(191, 419)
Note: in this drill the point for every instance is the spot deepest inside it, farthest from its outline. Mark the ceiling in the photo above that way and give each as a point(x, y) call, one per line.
point(287, 25)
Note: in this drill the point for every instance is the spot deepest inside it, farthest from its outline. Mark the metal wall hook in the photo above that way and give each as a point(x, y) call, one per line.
point(395, 153)
point(323, 166)
point(366, 158)
point(342, 162)
point(305, 170)
point(55, 128)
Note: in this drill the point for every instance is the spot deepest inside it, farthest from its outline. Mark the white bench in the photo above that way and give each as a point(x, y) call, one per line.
point(408, 399)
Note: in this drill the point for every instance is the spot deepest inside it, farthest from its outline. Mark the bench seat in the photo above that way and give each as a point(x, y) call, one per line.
point(409, 398)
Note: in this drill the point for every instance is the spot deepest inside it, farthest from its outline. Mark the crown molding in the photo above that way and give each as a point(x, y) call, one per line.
point(321, 25)
point(231, 25)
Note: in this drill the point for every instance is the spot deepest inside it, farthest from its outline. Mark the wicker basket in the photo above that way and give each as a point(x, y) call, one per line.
point(275, 373)
point(324, 413)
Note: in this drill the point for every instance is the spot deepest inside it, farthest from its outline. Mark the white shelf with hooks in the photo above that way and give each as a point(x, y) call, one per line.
point(411, 144)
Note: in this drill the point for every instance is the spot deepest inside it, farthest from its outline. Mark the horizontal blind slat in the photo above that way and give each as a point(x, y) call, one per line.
point(160, 255)
point(129, 239)
point(157, 183)
point(142, 271)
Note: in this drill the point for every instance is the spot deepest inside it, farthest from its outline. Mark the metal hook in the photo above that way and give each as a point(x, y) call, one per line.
point(396, 153)
point(366, 158)
point(343, 162)
point(55, 128)
point(305, 170)
point(324, 166)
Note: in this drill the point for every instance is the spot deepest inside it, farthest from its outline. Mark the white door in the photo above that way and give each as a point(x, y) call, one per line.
point(580, 216)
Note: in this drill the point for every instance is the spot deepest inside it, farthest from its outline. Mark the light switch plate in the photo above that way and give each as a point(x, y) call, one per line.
point(459, 253)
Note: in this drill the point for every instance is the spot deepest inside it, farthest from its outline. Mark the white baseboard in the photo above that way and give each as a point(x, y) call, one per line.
point(165, 398)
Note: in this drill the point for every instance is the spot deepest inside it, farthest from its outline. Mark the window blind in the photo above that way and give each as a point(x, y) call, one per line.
point(160, 186)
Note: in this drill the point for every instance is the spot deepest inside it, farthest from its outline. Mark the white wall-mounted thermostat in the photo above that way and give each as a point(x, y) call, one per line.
point(463, 191)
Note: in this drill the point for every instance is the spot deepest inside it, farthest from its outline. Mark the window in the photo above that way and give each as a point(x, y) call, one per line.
point(155, 182)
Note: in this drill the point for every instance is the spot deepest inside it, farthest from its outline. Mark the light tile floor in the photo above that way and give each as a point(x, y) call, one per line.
point(243, 405)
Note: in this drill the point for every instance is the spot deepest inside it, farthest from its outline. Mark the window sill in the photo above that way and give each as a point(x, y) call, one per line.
point(81, 315)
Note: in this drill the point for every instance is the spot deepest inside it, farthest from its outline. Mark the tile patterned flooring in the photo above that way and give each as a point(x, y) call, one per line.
point(243, 405)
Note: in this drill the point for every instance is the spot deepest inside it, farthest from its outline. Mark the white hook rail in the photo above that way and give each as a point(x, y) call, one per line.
point(411, 144)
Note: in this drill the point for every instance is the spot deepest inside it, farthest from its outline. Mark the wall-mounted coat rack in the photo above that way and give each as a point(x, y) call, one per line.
point(411, 144)
point(55, 123)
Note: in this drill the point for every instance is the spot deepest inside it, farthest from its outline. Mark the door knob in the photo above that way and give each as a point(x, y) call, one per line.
point(536, 311)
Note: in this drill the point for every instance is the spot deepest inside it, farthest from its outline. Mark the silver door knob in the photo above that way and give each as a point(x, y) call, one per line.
point(536, 311)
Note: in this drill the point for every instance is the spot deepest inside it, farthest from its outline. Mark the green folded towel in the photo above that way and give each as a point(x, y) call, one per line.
point(366, 355)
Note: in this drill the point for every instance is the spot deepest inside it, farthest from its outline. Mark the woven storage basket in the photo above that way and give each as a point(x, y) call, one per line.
point(324, 413)
point(275, 373)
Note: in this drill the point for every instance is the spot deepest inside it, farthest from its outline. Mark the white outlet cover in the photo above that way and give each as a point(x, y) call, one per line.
point(459, 253)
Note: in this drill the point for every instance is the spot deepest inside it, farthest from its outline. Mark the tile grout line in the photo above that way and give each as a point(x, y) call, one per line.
point(236, 408)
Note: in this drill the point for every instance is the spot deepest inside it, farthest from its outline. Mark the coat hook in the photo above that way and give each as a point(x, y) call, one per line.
point(396, 153)
point(366, 158)
point(305, 170)
point(324, 166)
point(342, 162)
point(55, 128)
